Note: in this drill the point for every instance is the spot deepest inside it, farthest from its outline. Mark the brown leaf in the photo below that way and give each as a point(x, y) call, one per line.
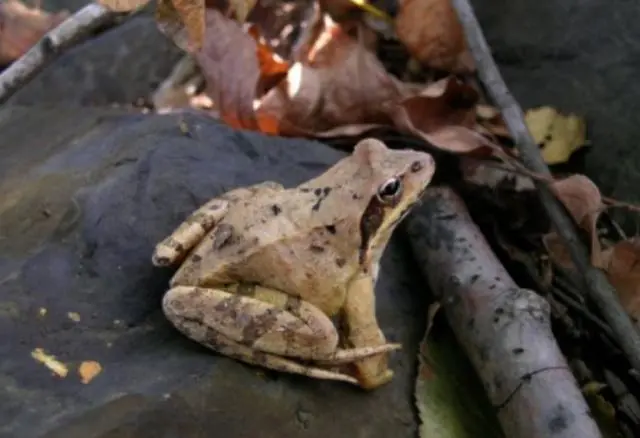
point(491, 119)
point(558, 252)
point(183, 21)
point(337, 86)
point(340, 86)
point(444, 114)
point(232, 62)
point(21, 27)
point(621, 263)
point(582, 199)
point(431, 32)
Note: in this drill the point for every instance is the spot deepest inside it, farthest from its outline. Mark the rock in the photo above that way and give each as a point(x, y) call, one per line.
point(120, 66)
point(84, 202)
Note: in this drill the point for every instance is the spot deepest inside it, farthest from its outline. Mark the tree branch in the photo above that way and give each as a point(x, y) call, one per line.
point(596, 285)
point(504, 330)
point(77, 26)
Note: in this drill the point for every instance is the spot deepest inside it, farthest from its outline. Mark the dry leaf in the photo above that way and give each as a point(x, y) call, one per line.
point(231, 64)
point(21, 27)
point(242, 8)
point(490, 119)
point(337, 86)
point(621, 263)
point(122, 5)
point(88, 370)
point(444, 114)
point(74, 316)
point(559, 135)
point(432, 33)
point(50, 362)
point(340, 85)
point(557, 250)
point(191, 13)
point(183, 21)
point(582, 199)
point(490, 175)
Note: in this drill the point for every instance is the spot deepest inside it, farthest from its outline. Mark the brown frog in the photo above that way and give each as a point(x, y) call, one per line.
point(264, 268)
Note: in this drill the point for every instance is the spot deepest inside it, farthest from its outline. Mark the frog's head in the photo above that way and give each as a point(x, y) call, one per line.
point(396, 180)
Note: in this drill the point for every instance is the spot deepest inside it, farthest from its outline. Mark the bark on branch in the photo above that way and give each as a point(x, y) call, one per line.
point(504, 330)
point(77, 26)
point(596, 285)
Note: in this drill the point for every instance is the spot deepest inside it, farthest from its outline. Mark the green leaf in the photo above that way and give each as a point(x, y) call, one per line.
point(450, 398)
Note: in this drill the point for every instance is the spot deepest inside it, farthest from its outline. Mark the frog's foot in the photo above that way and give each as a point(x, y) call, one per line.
point(175, 247)
point(228, 347)
point(288, 327)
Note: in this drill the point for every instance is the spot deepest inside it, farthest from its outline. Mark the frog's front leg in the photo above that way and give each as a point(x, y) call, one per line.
point(177, 245)
point(359, 314)
point(262, 329)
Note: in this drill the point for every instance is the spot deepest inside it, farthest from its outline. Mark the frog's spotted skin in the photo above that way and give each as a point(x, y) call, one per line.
point(264, 267)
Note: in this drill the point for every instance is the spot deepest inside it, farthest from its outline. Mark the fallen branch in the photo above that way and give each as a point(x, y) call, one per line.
point(504, 330)
point(77, 26)
point(598, 289)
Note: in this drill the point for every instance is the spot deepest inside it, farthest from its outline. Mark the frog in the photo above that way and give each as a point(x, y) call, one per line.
point(265, 270)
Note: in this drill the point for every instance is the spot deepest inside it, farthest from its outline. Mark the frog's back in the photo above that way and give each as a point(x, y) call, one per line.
point(278, 240)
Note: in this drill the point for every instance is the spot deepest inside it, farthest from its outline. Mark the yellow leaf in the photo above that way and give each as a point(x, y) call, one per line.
point(123, 5)
point(88, 370)
point(558, 135)
point(50, 362)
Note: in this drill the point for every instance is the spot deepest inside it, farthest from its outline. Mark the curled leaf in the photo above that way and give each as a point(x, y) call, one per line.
point(444, 114)
point(340, 84)
point(232, 63)
point(582, 199)
point(432, 33)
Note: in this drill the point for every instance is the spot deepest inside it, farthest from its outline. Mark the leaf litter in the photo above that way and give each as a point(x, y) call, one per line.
point(22, 26)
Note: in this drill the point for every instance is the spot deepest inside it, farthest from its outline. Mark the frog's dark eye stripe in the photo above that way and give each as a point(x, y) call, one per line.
point(390, 191)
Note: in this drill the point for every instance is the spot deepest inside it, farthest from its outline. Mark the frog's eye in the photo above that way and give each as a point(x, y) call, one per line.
point(390, 191)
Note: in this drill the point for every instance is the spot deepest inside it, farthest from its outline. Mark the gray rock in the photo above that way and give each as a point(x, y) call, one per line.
point(120, 66)
point(83, 204)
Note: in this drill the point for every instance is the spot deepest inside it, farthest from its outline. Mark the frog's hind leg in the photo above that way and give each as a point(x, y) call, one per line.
point(222, 344)
point(173, 248)
point(265, 320)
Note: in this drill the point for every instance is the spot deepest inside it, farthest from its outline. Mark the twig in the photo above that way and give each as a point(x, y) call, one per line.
point(598, 288)
point(504, 330)
point(77, 26)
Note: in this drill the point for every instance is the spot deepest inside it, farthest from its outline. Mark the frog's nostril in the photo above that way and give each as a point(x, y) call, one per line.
point(416, 166)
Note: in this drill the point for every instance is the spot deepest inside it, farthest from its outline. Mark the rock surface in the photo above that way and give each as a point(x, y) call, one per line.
point(119, 66)
point(84, 202)
point(581, 56)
